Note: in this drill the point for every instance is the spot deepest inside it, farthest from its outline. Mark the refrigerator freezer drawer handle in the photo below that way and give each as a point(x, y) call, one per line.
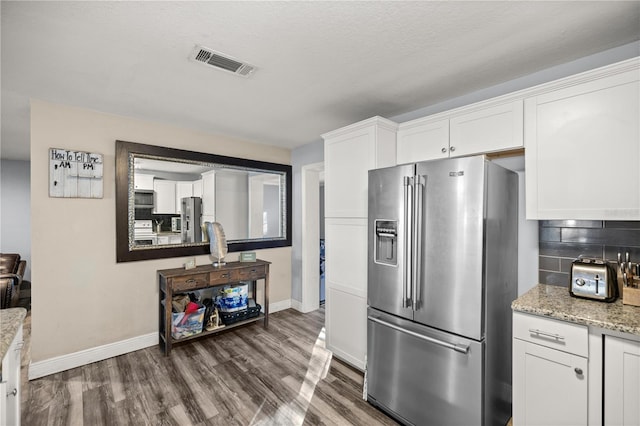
point(463, 349)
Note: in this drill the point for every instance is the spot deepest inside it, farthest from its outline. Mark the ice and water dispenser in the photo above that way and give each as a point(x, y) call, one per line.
point(386, 251)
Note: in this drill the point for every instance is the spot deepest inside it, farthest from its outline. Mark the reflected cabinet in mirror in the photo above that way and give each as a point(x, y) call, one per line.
point(164, 196)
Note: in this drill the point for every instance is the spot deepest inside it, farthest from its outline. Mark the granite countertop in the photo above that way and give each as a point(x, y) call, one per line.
point(10, 320)
point(555, 302)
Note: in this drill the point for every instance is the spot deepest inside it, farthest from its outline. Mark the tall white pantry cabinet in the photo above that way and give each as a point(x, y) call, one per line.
point(349, 153)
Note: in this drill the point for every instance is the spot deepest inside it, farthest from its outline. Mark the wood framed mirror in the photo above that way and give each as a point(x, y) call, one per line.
point(165, 195)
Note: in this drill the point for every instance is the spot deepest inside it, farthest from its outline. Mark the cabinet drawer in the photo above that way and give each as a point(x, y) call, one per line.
point(564, 336)
point(220, 277)
point(252, 273)
point(189, 282)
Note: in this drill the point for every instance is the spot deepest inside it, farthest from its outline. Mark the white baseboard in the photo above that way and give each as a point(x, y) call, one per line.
point(349, 359)
point(296, 305)
point(87, 356)
point(100, 353)
point(279, 306)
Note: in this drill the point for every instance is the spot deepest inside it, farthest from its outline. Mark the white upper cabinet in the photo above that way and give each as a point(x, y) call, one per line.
point(582, 144)
point(495, 125)
point(489, 129)
point(423, 139)
point(165, 196)
point(142, 181)
point(183, 189)
point(349, 153)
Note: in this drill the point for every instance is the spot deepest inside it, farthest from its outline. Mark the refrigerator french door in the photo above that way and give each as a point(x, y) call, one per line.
point(441, 277)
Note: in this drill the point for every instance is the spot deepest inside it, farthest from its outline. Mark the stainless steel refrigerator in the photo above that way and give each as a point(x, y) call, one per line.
point(191, 219)
point(442, 274)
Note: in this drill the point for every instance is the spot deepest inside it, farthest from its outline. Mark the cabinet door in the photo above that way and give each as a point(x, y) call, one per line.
point(346, 288)
point(347, 161)
point(582, 151)
point(346, 326)
point(490, 129)
point(421, 141)
point(549, 386)
point(621, 382)
point(209, 196)
point(349, 154)
point(165, 193)
point(10, 396)
point(183, 189)
point(197, 188)
point(141, 181)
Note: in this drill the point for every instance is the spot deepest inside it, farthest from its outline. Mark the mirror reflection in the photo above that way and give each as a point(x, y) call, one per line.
point(172, 199)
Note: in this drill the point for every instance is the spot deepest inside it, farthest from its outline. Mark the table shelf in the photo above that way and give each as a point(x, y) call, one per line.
point(179, 280)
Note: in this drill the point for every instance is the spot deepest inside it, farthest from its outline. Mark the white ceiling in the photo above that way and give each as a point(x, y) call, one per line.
point(321, 65)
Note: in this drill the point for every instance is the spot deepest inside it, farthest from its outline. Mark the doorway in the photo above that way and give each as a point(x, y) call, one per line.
point(312, 222)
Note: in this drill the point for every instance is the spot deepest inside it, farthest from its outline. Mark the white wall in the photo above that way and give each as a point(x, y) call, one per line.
point(83, 298)
point(15, 210)
point(232, 204)
point(590, 62)
point(307, 154)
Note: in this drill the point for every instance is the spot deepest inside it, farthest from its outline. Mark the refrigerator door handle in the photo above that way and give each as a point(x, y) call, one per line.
point(419, 187)
point(407, 274)
point(463, 349)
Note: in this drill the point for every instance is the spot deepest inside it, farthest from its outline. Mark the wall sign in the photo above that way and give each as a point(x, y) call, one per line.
point(75, 174)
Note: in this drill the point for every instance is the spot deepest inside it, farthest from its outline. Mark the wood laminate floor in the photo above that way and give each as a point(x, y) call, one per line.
point(248, 376)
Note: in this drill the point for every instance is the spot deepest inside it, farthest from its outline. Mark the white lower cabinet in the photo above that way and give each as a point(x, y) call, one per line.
point(621, 381)
point(169, 239)
point(548, 386)
point(10, 383)
point(550, 372)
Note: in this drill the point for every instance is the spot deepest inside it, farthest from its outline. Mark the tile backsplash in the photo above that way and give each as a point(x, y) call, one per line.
point(562, 241)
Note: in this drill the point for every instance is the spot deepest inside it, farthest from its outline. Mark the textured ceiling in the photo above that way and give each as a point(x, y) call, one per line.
point(321, 65)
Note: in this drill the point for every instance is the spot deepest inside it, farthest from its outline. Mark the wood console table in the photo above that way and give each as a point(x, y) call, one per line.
point(180, 280)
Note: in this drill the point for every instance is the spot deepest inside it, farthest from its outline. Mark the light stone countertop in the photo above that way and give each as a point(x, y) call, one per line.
point(10, 320)
point(555, 302)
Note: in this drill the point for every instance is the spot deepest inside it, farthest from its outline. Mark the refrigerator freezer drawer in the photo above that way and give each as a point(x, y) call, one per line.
point(423, 376)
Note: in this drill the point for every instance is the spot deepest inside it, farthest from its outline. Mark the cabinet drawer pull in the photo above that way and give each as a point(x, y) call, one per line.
point(224, 276)
point(14, 392)
point(542, 333)
point(578, 371)
point(190, 281)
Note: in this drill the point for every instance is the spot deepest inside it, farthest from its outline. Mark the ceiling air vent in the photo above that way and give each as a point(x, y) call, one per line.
point(221, 61)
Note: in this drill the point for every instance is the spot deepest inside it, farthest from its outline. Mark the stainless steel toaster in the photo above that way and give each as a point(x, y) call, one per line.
point(593, 279)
